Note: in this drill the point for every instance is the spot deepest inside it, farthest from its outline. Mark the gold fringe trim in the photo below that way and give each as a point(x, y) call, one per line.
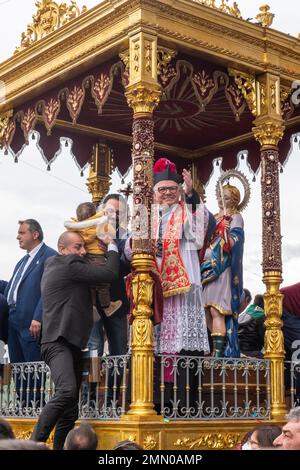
point(178, 290)
point(219, 309)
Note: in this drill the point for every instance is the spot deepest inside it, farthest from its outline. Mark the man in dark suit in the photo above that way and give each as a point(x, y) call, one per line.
point(115, 325)
point(23, 294)
point(3, 318)
point(67, 323)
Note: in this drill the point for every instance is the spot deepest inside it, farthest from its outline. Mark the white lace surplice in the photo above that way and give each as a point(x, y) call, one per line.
point(184, 324)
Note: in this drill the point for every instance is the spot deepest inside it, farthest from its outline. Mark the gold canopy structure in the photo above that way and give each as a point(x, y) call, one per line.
point(190, 79)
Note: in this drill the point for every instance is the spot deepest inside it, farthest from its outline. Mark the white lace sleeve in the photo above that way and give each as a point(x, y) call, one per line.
point(194, 226)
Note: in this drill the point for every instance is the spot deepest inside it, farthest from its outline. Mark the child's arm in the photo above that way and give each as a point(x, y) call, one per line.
point(72, 225)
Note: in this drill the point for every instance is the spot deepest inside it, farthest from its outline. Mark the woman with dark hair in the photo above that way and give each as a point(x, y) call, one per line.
point(262, 437)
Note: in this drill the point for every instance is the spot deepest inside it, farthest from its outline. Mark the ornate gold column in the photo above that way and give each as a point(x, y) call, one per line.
point(143, 95)
point(98, 182)
point(269, 130)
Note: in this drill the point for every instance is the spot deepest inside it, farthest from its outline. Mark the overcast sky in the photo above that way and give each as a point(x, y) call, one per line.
point(27, 190)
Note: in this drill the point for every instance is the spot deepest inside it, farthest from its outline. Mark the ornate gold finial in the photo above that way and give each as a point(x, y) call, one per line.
point(224, 7)
point(265, 18)
point(49, 17)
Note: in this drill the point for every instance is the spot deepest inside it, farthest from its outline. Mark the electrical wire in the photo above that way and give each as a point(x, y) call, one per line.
point(53, 176)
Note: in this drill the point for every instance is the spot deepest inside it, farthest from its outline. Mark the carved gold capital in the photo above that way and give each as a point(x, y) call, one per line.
point(4, 124)
point(143, 98)
point(98, 182)
point(49, 17)
point(268, 133)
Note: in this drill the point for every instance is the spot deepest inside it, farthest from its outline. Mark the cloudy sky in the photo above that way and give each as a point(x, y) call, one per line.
point(27, 190)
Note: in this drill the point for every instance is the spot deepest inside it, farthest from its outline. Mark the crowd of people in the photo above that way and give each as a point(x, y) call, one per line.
point(57, 303)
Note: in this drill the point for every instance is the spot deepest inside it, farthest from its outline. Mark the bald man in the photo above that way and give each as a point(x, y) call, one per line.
point(67, 323)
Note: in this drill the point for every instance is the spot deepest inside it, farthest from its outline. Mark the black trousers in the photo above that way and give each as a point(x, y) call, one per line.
point(66, 365)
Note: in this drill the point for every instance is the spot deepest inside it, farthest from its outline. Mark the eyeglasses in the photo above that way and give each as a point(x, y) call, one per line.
point(165, 189)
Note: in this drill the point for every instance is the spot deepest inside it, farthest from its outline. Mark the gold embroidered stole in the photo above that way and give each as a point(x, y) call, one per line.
point(173, 275)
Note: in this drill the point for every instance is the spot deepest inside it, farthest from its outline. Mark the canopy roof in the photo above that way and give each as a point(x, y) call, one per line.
point(71, 82)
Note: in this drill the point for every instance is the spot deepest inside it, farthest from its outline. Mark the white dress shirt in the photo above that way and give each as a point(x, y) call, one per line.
point(32, 254)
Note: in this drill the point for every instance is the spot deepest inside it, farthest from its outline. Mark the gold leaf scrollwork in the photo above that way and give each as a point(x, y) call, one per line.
point(100, 90)
point(5, 122)
point(51, 110)
point(284, 94)
point(24, 435)
point(74, 102)
point(150, 442)
point(28, 122)
point(148, 57)
point(164, 57)
point(142, 286)
point(224, 7)
point(247, 84)
point(274, 341)
point(49, 17)
point(142, 333)
point(136, 57)
point(204, 82)
point(210, 441)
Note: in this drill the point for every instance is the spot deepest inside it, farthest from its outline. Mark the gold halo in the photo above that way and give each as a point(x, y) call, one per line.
point(245, 183)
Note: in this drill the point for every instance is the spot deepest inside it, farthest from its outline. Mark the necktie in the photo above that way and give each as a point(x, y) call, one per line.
point(16, 280)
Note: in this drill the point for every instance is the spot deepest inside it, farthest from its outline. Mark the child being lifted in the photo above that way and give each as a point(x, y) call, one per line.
point(88, 224)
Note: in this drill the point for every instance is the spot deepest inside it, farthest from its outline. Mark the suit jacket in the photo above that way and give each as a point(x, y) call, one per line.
point(194, 199)
point(66, 296)
point(118, 288)
point(3, 318)
point(29, 305)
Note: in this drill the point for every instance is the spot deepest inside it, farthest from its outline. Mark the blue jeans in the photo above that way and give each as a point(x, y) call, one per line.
point(116, 331)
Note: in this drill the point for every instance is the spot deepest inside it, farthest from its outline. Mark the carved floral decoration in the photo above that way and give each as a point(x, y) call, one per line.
point(49, 17)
